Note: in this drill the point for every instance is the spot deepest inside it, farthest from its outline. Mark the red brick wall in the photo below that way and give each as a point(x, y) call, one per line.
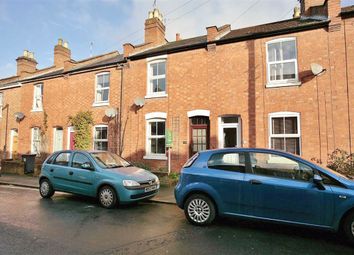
point(64, 97)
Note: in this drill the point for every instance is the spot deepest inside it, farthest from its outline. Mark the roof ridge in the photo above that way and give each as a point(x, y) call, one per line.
point(97, 56)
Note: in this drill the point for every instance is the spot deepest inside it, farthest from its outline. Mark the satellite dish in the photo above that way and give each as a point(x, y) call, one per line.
point(19, 116)
point(139, 102)
point(317, 69)
point(110, 112)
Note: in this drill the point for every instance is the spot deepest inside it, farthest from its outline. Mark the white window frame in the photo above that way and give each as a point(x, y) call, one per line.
point(150, 77)
point(288, 82)
point(1, 103)
point(33, 151)
point(284, 115)
point(154, 117)
point(104, 102)
point(37, 98)
point(99, 140)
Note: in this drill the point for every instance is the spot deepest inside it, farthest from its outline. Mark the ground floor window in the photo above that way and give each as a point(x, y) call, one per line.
point(284, 132)
point(156, 137)
point(36, 140)
point(100, 139)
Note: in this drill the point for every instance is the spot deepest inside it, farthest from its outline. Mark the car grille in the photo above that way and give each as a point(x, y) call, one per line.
point(148, 182)
point(146, 194)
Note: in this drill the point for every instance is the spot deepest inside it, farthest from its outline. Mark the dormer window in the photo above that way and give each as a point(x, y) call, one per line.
point(282, 63)
point(156, 86)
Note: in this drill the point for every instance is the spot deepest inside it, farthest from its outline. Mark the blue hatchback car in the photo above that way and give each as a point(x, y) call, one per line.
point(99, 174)
point(267, 185)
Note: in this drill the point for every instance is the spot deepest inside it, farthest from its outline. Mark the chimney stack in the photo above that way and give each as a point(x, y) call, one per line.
point(26, 64)
point(178, 37)
point(62, 53)
point(215, 33)
point(154, 28)
point(307, 4)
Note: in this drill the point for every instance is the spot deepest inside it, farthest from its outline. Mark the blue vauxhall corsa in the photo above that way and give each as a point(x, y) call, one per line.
point(99, 174)
point(267, 185)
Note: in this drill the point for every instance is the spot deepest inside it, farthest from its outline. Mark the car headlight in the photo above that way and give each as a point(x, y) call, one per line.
point(157, 181)
point(130, 183)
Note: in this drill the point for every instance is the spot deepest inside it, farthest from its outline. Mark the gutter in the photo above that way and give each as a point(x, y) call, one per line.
point(18, 84)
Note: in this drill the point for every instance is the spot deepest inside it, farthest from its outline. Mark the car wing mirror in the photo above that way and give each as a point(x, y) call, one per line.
point(318, 181)
point(87, 166)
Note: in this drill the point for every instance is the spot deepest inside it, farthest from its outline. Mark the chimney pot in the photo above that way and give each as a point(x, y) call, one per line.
point(297, 13)
point(62, 53)
point(178, 37)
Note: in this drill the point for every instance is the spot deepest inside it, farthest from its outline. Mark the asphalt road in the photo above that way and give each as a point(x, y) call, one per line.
point(68, 224)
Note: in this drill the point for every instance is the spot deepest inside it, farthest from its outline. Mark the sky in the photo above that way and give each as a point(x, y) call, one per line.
point(106, 25)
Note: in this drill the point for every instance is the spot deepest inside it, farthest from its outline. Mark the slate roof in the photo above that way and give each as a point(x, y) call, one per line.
point(347, 11)
point(280, 27)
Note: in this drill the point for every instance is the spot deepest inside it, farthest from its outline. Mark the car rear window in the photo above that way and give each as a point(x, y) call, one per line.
point(191, 160)
point(229, 161)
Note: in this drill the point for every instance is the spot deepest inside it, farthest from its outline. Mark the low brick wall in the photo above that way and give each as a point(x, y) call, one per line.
point(17, 167)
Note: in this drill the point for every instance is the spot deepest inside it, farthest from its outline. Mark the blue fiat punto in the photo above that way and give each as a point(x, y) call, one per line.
point(99, 174)
point(265, 184)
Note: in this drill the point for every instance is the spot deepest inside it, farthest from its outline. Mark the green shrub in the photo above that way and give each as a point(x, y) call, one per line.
point(82, 123)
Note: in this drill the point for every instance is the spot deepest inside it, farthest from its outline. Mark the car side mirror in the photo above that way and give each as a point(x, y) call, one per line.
point(87, 166)
point(318, 181)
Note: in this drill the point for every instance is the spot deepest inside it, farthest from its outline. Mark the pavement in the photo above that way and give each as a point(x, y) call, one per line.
point(165, 195)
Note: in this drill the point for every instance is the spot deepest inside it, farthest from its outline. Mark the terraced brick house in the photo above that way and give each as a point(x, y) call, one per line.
point(286, 85)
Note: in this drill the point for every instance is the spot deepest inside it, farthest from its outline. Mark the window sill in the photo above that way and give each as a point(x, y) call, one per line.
point(285, 84)
point(37, 110)
point(156, 157)
point(100, 104)
point(155, 96)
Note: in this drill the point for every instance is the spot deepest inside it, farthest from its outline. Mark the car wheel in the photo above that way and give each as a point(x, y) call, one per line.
point(348, 227)
point(199, 210)
point(107, 197)
point(46, 189)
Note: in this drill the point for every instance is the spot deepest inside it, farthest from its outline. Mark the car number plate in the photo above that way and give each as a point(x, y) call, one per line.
point(151, 188)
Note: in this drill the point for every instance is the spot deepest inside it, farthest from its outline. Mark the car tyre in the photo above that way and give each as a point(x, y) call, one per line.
point(46, 188)
point(107, 197)
point(199, 210)
point(348, 227)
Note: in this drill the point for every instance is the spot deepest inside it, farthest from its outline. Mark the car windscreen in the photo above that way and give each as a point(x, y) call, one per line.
point(109, 160)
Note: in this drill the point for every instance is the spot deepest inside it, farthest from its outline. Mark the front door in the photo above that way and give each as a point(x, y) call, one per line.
point(229, 132)
point(199, 133)
point(58, 139)
point(14, 144)
point(281, 188)
point(71, 142)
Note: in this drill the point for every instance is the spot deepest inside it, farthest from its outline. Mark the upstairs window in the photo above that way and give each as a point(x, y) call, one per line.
point(38, 97)
point(285, 132)
point(282, 62)
point(157, 78)
point(1, 103)
point(102, 88)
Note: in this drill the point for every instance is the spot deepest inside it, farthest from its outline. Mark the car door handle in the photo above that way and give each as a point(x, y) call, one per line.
point(51, 170)
point(71, 173)
point(255, 182)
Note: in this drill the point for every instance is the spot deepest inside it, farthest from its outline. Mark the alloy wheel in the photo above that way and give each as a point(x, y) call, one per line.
point(352, 228)
point(198, 210)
